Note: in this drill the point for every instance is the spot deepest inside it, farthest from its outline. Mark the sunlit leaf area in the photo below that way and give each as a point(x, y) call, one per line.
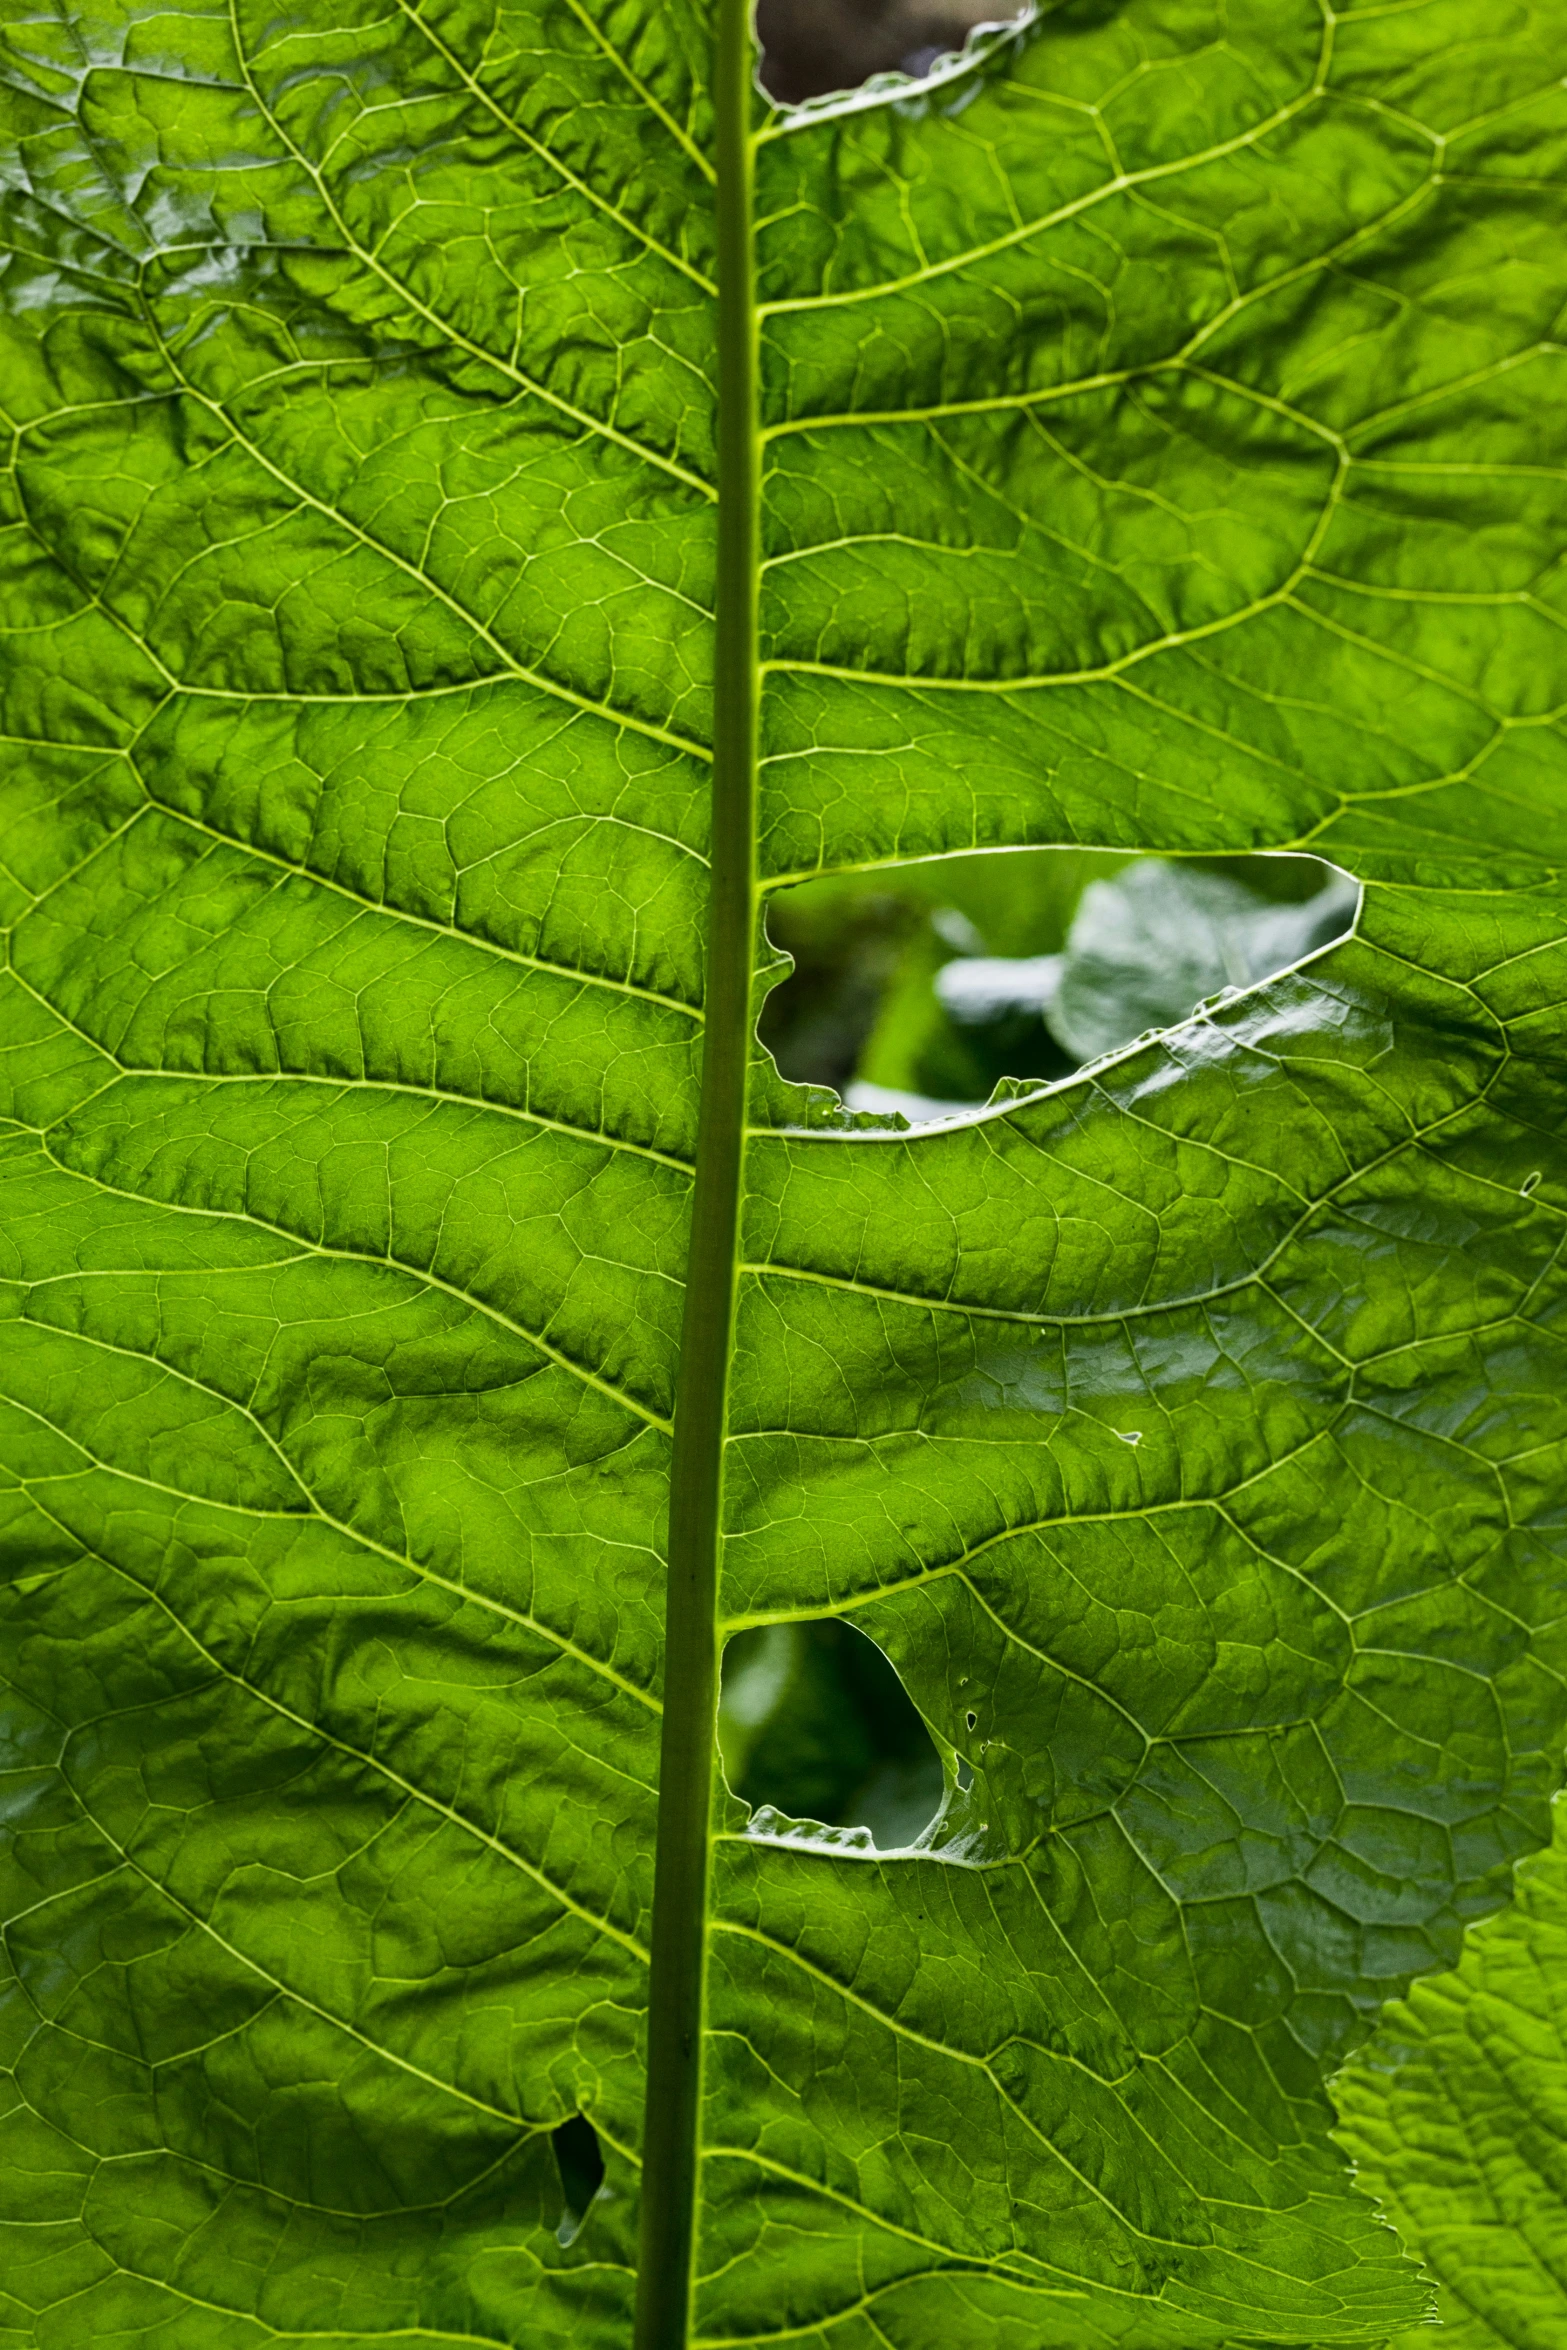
point(783, 1212)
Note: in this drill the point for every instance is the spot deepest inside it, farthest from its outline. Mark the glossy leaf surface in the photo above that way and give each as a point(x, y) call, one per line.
point(1163, 451)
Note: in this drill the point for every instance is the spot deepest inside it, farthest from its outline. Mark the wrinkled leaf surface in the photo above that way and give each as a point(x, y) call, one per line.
point(1456, 2114)
point(1165, 420)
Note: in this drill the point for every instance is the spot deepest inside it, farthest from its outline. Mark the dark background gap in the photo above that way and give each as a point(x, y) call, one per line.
point(580, 2160)
point(814, 1720)
point(812, 46)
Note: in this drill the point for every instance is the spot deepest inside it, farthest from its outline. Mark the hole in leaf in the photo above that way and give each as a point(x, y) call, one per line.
point(972, 1719)
point(813, 46)
point(580, 2161)
point(1530, 1184)
point(920, 987)
point(814, 1720)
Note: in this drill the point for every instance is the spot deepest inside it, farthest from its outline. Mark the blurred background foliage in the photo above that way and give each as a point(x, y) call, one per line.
point(815, 1721)
point(917, 989)
point(921, 987)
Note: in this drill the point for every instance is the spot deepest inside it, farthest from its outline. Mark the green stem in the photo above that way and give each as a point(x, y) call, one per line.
point(674, 2087)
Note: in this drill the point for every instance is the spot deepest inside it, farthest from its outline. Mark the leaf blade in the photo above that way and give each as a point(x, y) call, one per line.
point(363, 488)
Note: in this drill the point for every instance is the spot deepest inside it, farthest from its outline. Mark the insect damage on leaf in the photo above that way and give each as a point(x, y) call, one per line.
point(493, 505)
point(916, 988)
point(814, 1725)
point(580, 2160)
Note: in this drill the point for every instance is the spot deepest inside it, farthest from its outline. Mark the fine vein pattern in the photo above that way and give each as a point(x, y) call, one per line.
point(1161, 445)
point(1456, 2114)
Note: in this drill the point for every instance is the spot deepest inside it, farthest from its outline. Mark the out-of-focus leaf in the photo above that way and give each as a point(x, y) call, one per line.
point(859, 1006)
point(814, 1723)
point(1150, 945)
point(977, 990)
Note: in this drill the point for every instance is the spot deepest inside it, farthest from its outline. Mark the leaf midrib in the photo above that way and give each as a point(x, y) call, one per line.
point(691, 1641)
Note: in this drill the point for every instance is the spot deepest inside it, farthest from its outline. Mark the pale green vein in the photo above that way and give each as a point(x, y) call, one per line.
point(574, 973)
point(314, 1510)
point(573, 180)
point(448, 333)
point(421, 1276)
point(566, 1902)
point(1122, 183)
point(524, 672)
point(287, 1990)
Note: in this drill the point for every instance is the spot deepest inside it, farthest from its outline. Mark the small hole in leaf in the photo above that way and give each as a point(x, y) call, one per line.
point(972, 1720)
point(1530, 1184)
point(580, 2161)
point(809, 49)
point(814, 1721)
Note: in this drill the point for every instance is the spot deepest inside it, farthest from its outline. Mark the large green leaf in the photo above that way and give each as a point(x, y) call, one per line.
point(1456, 2113)
point(1147, 434)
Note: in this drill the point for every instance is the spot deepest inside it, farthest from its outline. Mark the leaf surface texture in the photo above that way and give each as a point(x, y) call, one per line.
point(1456, 2114)
point(1162, 448)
